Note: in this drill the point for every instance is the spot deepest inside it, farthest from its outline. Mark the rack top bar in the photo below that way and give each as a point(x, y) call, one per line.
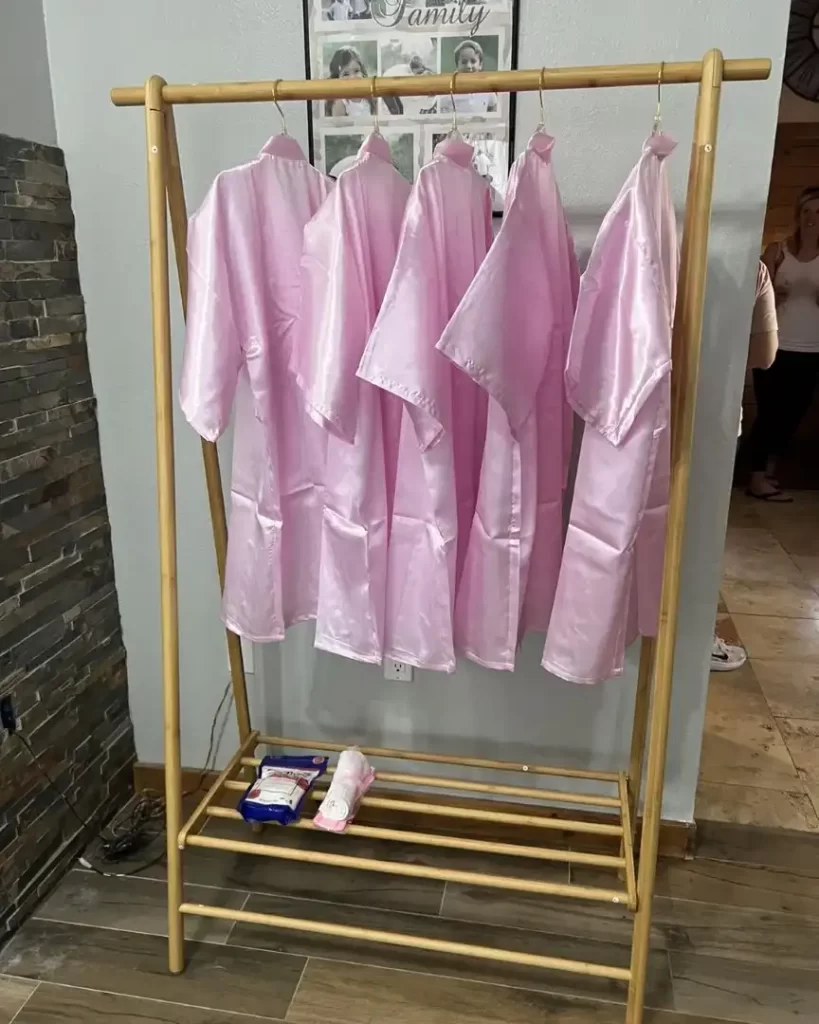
point(602, 76)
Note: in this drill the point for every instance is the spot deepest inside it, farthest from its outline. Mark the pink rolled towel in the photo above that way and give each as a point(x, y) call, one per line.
point(353, 777)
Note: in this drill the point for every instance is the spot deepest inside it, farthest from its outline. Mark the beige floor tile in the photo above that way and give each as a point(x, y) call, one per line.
point(812, 789)
point(14, 992)
point(791, 599)
point(756, 554)
point(742, 744)
point(808, 565)
point(799, 538)
point(802, 738)
point(791, 688)
point(744, 513)
point(805, 505)
point(736, 694)
point(774, 637)
point(748, 805)
point(726, 629)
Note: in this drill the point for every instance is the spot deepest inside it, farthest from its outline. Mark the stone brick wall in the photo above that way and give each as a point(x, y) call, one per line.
point(62, 658)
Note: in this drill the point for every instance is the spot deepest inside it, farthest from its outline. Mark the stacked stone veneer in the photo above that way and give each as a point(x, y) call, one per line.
point(62, 658)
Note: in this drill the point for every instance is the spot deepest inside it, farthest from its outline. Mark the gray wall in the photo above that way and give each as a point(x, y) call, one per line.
point(95, 45)
point(26, 108)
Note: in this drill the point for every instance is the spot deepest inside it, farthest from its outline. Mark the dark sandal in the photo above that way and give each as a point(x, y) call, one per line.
point(775, 497)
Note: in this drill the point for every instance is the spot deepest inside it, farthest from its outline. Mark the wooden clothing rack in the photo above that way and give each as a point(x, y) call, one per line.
point(619, 791)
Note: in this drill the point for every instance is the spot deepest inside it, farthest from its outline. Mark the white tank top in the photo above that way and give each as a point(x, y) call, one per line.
point(798, 313)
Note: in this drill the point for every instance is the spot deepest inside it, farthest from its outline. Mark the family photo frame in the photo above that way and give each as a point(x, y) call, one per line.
point(402, 38)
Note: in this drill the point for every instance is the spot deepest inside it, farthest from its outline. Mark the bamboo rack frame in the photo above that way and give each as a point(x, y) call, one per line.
point(653, 696)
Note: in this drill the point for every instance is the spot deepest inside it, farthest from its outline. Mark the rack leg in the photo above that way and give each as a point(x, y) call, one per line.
point(686, 353)
point(210, 454)
point(161, 322)
point(642, 703)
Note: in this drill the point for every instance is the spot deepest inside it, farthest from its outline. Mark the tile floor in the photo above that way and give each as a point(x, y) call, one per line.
point(734, 937)
point(760, 757)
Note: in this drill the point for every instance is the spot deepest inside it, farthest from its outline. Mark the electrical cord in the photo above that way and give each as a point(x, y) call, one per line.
point(123, 837)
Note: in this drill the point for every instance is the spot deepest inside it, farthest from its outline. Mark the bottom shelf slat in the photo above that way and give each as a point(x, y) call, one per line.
point(600, 860)
point(467, 762)
point(388, 867)
point(412, 941)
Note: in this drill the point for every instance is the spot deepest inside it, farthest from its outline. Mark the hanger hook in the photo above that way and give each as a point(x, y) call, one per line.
point(455, 129)
point(374, 104)
point(542, 125)
point(278, 105)
point(658, 117)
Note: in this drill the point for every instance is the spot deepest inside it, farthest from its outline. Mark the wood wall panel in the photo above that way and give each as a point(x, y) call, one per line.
point(795, 167)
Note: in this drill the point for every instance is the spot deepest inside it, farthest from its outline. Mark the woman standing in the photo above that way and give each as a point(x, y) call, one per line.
point(784, 392)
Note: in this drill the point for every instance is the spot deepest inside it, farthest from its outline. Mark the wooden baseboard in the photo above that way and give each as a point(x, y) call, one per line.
point(676, 838)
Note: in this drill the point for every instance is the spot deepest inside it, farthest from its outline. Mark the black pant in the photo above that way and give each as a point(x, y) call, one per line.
point(784, 393)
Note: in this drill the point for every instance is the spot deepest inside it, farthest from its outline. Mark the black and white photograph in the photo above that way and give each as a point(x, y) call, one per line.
point(346, 10)
point(341, 148)
point(404, 56)
point(490, 159)
point(363, 39)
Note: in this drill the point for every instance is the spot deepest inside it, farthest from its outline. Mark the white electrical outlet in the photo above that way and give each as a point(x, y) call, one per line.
point(398, 670)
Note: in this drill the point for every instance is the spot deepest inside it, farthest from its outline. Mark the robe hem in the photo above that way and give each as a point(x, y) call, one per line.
point(257, 639)
point(569, 678)
point(336, 647)
point(496, 665)
point(449, 667)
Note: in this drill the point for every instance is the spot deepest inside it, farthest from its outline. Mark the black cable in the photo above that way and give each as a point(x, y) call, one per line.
point(213, 744)
point(123, 840)
point(128, 836)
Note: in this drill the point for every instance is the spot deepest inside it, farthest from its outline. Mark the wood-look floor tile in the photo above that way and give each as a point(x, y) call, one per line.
point(802, 739)
point(53, 1003)
point(134, 904)
point(452, 965)
point(738, 933)
point(751, 805)
point(13, 994)
point(352, 994)
point(797, 852)
point(739, 885)
point(751, 992)
point(791, 688)
point(598, 922)
point(217, 977)
point(254, 873)
point(772, 637)
point(791, 599)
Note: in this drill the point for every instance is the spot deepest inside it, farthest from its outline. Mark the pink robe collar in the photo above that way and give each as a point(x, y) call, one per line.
point(283, 145)
point(456, 150)
point(376, 145)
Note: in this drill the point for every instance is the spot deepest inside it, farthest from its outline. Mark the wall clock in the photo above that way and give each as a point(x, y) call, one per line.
point(802, 53)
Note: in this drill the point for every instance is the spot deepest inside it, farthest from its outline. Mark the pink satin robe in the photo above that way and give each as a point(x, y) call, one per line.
point(349, 253)
point(618, 381)
point(447, 232)
point(510, 335)
point(244, 249)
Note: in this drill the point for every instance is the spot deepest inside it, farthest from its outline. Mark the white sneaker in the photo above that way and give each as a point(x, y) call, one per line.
point(726, 657)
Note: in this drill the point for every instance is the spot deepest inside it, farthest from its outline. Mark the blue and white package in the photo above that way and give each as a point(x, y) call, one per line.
point(280, 788)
